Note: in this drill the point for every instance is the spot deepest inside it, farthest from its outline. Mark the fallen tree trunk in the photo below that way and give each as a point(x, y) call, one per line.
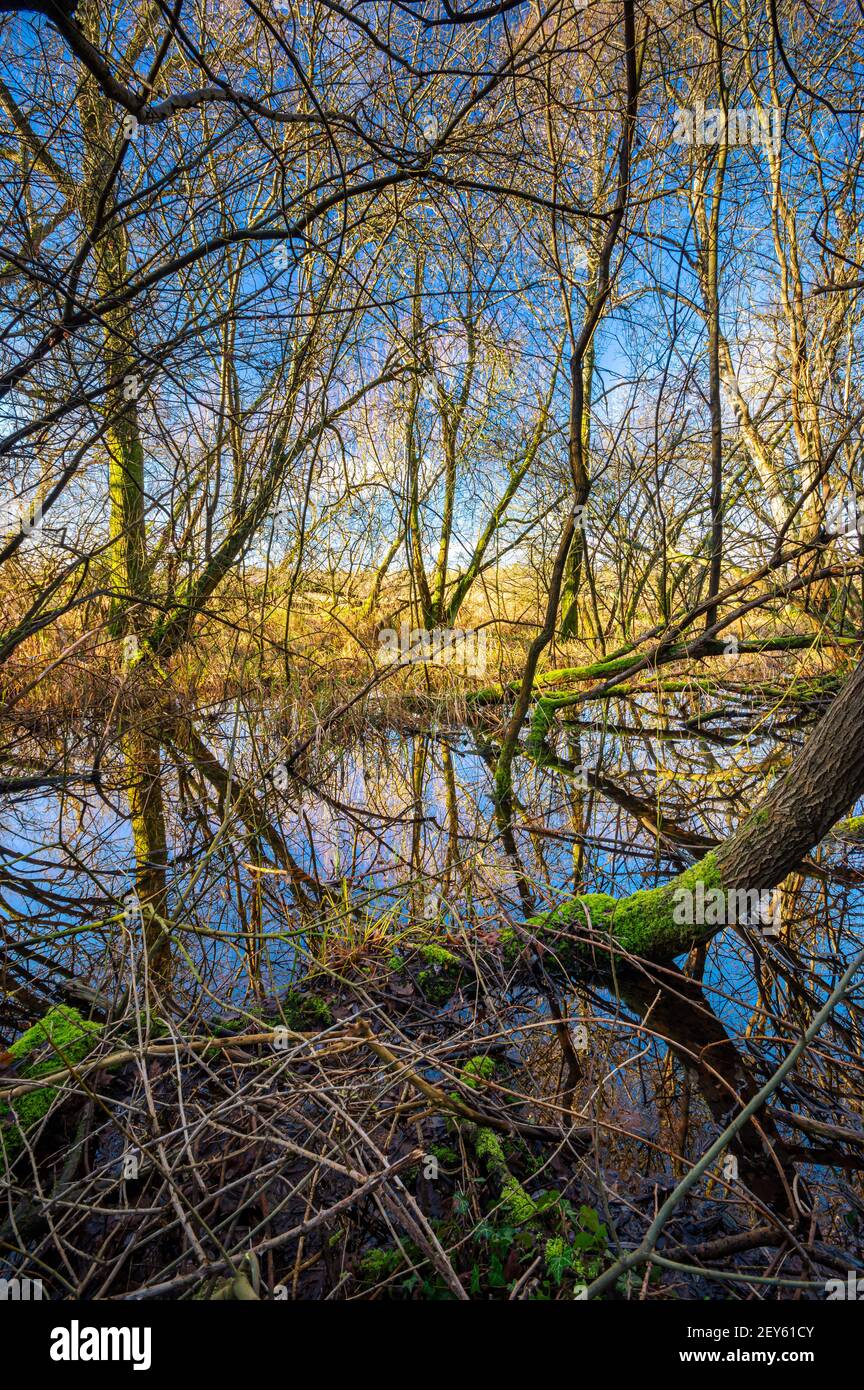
point(627, 660)
point(818, 790)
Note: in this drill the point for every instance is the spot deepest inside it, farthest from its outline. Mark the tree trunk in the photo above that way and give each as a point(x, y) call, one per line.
point(127, 556)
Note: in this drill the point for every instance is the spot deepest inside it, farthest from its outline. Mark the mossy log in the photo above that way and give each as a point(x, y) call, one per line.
point(624, 661)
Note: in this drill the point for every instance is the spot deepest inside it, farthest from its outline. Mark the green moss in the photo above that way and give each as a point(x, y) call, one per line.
point(518, 1206)
point(595, 670)
point(379, 1264)
point(512, 945)
point(61, 1038)
point(437, 988)
point(851, 829)
point(223, 1028)
point(610, 666)
point(441, 979)
point(598, 907)
point(305, 1012)
point(437, 955)
point(445, 1155)
point(488, 1147)
point(478, 1069)
point(541, 722)
point(488, 695)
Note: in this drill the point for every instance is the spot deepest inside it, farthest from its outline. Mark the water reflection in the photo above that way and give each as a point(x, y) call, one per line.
point(268, 876)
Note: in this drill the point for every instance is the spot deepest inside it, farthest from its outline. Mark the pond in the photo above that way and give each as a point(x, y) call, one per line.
point(391, 826)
